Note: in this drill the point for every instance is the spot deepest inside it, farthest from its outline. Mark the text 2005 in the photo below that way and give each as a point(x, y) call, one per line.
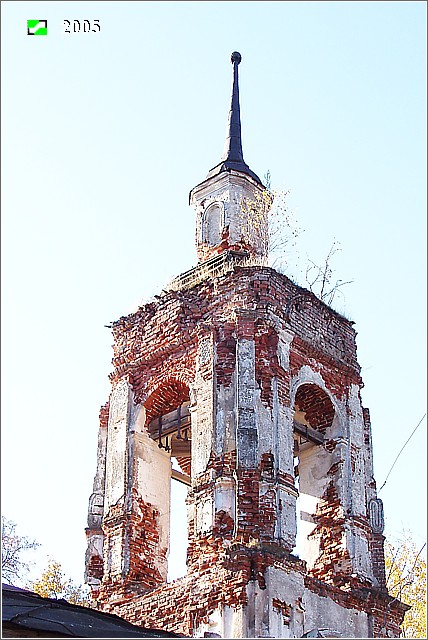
point(82, 26)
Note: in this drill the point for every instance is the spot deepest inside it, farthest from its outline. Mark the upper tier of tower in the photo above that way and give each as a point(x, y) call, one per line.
point(231, 203)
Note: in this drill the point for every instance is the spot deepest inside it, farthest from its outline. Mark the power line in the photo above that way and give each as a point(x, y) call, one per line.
point(401, 450)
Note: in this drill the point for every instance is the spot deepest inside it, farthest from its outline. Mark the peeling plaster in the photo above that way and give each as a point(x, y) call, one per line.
point(241, 581)
point(284, 342)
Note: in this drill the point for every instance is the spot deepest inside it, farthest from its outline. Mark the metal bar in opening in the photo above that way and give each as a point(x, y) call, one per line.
point(181, 477)
point(309, 433)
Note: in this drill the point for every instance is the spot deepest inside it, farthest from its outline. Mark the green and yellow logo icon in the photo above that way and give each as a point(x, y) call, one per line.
point(37, 27)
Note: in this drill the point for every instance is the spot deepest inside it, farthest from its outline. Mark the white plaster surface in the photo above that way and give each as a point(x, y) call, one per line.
point(201, 433)
point(310, 611)
point(265, 426)
point(154, 482)
point(285, 439)
point(229, 190)
point(314, 463)
point(286, 526)
point(324, 613)
point(246, 380)
point(113, 566)
point(356, 438)
point(116, 446)
point(283, 349)
point(359, 552)
point(288, 588)
point(212, 224)
point(225, 419)
point(246, 417)
point(204, 516)
point(202, 420)
point(225, 496)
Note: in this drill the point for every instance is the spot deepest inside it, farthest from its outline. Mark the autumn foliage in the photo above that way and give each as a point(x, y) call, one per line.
point(54, 584)
point(406, 580)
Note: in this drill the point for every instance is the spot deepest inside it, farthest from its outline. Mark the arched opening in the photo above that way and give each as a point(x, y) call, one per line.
point(168, 423)
point(313, 415)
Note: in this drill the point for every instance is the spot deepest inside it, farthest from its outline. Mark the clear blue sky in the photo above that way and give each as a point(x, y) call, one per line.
point(103, 136)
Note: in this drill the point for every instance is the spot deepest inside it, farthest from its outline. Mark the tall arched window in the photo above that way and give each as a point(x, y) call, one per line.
point(168, 423)
point(313, 414)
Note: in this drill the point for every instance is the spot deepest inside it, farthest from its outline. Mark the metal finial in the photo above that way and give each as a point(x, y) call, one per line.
point(235, 57)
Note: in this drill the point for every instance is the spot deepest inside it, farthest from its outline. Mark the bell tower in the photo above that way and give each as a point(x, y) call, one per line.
point(229, 191)
point(246, 388)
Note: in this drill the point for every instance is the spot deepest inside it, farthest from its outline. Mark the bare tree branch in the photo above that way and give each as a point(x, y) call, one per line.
point(13, 545)
point(268, 225)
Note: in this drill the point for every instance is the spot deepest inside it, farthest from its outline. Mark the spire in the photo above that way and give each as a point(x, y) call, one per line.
point(233, 144)
point(232, 156)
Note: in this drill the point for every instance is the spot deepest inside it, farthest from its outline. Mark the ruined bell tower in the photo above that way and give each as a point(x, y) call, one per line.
point(251, 385)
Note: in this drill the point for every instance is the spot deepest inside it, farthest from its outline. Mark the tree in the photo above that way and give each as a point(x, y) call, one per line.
point(406, 580)
point(54, 584)
point(268, 223)
point(13, 546)
point(319, 278)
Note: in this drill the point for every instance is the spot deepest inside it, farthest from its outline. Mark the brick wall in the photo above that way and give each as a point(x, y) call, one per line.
point(205, 342)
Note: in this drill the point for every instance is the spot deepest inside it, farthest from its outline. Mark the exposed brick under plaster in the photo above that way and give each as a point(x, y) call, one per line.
point(169, 326)
point(184, 604)
point(226, 570)
point(156, 350)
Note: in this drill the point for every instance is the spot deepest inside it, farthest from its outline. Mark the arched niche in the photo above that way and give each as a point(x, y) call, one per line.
point(212, 224)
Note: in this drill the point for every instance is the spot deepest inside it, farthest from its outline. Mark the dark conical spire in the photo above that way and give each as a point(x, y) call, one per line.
point(233, 145)
point(232, 156)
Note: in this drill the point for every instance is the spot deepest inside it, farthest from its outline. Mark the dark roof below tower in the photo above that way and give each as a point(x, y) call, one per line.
point(27, 615)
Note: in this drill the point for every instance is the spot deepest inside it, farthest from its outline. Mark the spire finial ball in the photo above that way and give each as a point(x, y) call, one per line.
point(235, 57)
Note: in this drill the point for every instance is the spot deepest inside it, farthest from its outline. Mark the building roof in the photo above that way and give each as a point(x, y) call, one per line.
point(25, 611)
point(233, 158)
